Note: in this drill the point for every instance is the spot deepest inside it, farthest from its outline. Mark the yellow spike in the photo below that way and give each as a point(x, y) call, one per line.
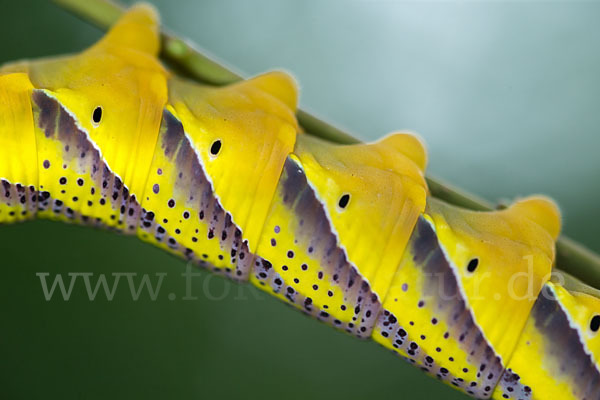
point(541, 210)
point(409, 145)
point(400, 153)
point(276, 83)
point(137, 29)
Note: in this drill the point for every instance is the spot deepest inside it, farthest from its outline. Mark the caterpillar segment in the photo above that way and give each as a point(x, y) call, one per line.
point(95, 121)
point(337, 212)
point(211, 210)
point(18, 150)
point(556, 356)
point(464, 289)
point(346, 234)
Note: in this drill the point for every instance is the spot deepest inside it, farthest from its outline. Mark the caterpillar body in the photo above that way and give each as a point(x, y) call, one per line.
point(347, 234)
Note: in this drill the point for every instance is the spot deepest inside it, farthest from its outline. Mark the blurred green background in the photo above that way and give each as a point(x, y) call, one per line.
point(506, 95)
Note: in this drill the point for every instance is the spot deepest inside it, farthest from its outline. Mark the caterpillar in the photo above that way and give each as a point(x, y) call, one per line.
point(347, 234)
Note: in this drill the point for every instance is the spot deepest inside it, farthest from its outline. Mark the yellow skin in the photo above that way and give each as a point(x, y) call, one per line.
point(347, 234)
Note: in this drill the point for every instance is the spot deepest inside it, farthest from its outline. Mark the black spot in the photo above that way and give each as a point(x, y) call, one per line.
point(344, 200)
point(97, 115)
point(473, 265)
point(595, 323)
point(215, 147)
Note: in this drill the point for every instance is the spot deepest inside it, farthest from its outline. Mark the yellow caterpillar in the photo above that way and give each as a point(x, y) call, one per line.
point(347, 234)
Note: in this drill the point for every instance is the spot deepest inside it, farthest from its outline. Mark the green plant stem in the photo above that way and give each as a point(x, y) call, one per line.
point(572, 257)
